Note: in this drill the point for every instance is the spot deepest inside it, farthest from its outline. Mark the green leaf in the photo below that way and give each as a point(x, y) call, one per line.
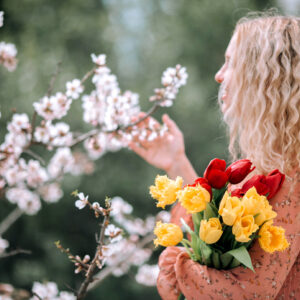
point(242, 255)
point(226, 260)
point(218, 195)
point(210, 212)
point(234, 263)
point(186, 226)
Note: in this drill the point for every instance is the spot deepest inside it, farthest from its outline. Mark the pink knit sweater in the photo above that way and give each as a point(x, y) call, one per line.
point(277, 275)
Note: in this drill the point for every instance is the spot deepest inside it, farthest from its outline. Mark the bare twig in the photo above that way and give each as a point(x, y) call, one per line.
point(10, 219)
point(15, 252)
point(108, 270)
point(35, 294)
point(98, 255)
point(35, 155)
point(53, 78)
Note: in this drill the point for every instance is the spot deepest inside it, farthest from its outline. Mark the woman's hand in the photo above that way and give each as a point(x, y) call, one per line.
point(166, 152)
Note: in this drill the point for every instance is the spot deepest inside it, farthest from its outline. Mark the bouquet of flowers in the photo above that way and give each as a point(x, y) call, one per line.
point(226, 221)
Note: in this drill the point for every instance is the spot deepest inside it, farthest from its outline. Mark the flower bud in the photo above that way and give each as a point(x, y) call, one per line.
point(210, 231)
point(238, 170)
point(230, 209)
point(215, 173)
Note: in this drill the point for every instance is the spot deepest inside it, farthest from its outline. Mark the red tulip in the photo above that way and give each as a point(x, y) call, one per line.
point(215, 173)
point(237, 193)
point(204, 183)
point(238, 170)
point(274, 181)
point(259, 182)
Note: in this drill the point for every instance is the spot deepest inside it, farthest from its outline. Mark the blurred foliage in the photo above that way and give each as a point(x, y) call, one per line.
point(141, 39)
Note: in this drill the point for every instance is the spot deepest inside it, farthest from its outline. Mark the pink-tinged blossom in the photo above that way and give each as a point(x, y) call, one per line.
point(36, 174)
point(62, 162)
point(74, 88)
point(113, 232)
point(54, 107)
point(27, 201)
point(66, 296)
point(51, 192)
point(82, 202)
point(120, 206)
point(147, 275)
point(99, 60)
point(45, 291)
point(172, 80)
point(8, 53)
point(96, 145)
point(97, 207)
point(19, 123)
point(3, 245)
point(60, 135)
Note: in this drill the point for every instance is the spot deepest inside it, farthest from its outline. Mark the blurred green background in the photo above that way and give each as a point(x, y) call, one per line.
point(141, 39)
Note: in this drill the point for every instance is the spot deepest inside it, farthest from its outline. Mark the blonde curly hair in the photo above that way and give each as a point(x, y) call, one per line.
point(264, 110)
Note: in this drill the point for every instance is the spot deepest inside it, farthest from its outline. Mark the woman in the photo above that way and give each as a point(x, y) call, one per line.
point(260, 101)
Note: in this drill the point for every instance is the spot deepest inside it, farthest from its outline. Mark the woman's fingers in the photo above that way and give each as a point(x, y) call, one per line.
point(141, 151)
point(171, 125)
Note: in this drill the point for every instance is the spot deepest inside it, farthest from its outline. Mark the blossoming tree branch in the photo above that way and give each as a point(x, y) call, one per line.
point(114, 118)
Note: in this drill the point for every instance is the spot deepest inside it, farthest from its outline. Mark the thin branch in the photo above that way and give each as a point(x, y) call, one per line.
point(52, 81)
point(93, 266)
point(35, 155)
point(108, 270)
point(15, 252)
point(35, 294)
point(10, 219)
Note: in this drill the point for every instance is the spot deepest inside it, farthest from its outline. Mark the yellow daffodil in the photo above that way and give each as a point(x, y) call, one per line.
point(272, 238)
point(210, 231)
point(243, 228)
point(193, 198)
point(168, 234)
point(164, 190)
point(230, 209)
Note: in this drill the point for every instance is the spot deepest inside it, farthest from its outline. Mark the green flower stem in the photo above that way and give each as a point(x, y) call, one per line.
point(183, 242)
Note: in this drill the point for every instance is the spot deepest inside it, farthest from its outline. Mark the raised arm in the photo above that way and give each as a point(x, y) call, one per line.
point(273, 275)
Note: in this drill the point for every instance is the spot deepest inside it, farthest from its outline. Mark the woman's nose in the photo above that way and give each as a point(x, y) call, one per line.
point(219, 76)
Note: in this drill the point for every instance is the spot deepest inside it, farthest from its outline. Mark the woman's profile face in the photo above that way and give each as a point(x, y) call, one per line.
point(223, 76)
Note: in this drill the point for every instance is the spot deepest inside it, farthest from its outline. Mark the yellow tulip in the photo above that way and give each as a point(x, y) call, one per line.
point(168, 234)
point(210, 231)
point(272, 238)
point(256, 204)
point(165, 190)
point(193, 198)
point(230, 209)
point(243, 228)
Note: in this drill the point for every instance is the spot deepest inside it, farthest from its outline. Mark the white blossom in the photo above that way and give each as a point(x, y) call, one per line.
point(62, 162)
point(51, 192)
point(82, 202)
point(3, 245)
point(99, 60)
point(119, 206)
point(54, 107)
point(45, 291)
point(36, 175)
point(1, 18)
point(8, 53)
point(66, 296)
point(147, 275)
point(74, 88)
point(113, 232)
